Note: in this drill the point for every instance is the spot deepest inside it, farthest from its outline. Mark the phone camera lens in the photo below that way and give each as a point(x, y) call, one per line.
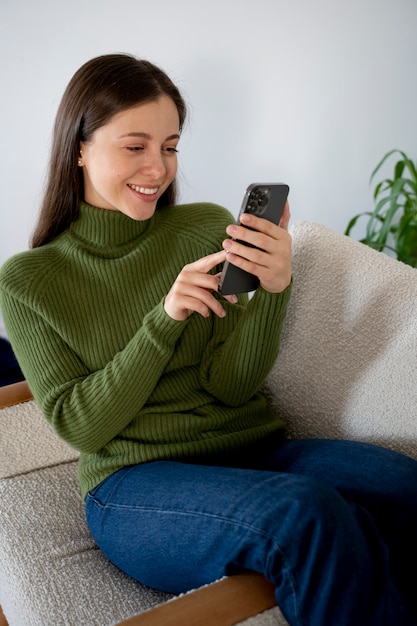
point(258, 200)
point(262, 200)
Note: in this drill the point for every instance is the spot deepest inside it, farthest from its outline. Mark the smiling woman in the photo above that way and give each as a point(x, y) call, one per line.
point(130, 162)
point(126, 83)
point(141, 365)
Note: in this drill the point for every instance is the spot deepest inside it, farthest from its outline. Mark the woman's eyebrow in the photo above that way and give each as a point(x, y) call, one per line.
point(147, 136)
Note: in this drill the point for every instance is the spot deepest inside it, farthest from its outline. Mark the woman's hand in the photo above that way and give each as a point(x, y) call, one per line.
point(192, 291)
point(270, 260)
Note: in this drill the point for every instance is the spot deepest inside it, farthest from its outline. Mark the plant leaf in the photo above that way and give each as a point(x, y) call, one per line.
point(382, 161)
point(395, 212)
point(353, 221)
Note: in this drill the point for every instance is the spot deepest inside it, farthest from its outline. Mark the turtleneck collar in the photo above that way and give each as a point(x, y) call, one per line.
point(105, 228)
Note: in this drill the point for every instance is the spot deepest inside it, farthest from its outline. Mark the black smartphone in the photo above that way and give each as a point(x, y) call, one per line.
point(265, 200)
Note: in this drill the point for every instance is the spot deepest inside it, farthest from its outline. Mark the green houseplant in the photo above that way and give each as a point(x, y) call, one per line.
point(392, 226)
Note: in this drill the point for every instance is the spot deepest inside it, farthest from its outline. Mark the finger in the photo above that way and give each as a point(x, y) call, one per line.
point(194, 278)
point(202, 301)
point(263, 250)
point(242, 236)
point(193, 291)
point(257, 224)
point(199, 305)
point(286, 216)
point(262, 225)
point(207, 263)
point(180, 304)
point(242, 255)
point(232, 298)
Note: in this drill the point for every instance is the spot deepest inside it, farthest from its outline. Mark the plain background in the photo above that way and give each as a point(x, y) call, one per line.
point(310, 93)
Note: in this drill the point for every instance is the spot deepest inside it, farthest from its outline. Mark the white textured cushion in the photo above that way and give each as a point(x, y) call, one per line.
point(27, 441)
point(348, 361)
point(51, 572)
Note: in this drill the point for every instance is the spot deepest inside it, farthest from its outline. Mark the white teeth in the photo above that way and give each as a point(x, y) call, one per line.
point(145, 190)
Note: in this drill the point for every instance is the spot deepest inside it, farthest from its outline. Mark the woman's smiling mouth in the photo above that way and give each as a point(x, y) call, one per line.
point(148, 191)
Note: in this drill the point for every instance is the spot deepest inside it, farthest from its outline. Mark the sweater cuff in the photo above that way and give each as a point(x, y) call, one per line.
point(277, 301)
point(161, 325)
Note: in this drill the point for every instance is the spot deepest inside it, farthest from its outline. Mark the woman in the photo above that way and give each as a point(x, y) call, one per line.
point(138, 363)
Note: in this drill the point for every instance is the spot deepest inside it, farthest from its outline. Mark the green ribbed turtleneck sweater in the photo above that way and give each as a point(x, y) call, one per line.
point(117, 378)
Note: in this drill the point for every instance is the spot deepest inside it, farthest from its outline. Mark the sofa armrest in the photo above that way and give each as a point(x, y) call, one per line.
point(228, 601)
point(3, 621)
point(14, 394)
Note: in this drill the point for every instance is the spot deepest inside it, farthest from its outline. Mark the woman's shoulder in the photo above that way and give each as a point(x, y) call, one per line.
point(27, 267)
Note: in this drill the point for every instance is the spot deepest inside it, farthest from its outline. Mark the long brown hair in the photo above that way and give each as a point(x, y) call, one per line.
point(101, 88)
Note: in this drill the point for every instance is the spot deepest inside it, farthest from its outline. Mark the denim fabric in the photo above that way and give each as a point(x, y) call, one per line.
point(331, 523)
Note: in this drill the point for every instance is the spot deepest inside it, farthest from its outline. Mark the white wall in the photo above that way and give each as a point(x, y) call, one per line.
point(311, 93)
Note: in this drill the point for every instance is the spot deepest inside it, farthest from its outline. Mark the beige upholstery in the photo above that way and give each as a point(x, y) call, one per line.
point(347, 368)
point(30, 442)
point(348, 361)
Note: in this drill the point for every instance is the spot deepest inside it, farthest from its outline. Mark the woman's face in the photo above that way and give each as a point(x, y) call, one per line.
point(131, 160)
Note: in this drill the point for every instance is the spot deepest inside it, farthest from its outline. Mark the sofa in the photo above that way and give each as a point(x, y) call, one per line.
point(346, 369)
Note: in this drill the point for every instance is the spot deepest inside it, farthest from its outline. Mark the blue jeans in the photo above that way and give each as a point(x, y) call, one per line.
point(333, 524)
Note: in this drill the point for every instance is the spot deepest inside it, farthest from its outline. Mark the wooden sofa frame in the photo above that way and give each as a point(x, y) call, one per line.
point(223, 603)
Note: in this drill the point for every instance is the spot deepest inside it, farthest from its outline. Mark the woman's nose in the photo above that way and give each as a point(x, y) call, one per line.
point(154, 165)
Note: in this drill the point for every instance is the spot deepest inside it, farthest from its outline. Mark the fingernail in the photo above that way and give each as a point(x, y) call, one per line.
point(227, 244)
point(231, 230)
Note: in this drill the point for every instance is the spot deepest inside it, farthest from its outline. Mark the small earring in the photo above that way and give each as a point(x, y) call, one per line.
point(80, 162)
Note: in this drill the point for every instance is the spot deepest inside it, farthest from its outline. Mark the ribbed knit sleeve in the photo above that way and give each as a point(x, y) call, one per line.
point(244, 347)
point(89, 409)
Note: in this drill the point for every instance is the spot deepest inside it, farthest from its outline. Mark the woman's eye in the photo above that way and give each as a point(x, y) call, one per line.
point(167, 150)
